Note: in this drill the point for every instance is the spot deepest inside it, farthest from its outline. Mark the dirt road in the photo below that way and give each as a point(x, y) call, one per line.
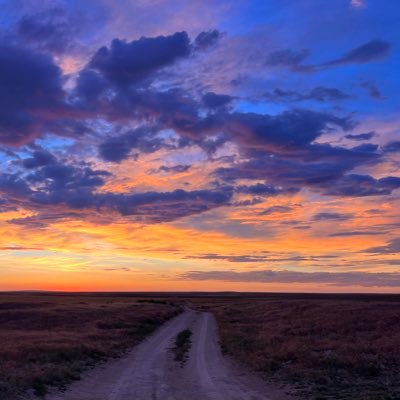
point(149, 371)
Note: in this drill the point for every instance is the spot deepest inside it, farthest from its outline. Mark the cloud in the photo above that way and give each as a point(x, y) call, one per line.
point(299, 162)
point(364, 279)
point(319, 93)
point(156, 207)
point(331, 216)
point(176, 169)
point(13, 186)
point(361, 136)
point(370, 51)
point(288, 58)
point(50, 30)
point(354, 185)
point(207, 39)
point(124, 63)
point(90, 85)
point(373, 50)
point(65, 184)
point(391, 247)
point(318, 166)
point(372, 90)
point(113, 90)
point(261, 189)
point(144, 140)
point(76, 187)
point(356, 233)
point(230, 258)
point(39, 158)
point(276, 210)
point(31, 94)
point(284, 132)
point(20, 248)
point(213, 100)
point(392, 147)
point(49, 182)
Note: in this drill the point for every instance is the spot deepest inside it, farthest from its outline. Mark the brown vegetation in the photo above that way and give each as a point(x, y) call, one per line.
point(182, 345)
point(49, 339)
point(328, 347)
point(337, 347)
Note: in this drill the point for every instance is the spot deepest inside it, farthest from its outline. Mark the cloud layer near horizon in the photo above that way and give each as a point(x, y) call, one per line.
point(364, 279)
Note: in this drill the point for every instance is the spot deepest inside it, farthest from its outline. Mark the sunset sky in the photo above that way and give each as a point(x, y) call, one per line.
point(200, 145)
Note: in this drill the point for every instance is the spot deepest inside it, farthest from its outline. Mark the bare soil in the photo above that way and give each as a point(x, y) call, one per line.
point(150, 372)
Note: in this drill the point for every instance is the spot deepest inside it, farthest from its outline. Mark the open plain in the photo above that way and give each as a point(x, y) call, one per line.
point(110, 346)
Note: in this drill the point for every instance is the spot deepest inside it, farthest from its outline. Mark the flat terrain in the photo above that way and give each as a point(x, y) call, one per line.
point(50, 339)
point(325, 346)
point(314, 347)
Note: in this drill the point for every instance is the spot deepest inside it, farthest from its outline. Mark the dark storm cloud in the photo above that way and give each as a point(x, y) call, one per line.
point(361, 136)
point(124, 62)
point(30, 94)
point(207, 39)
point(324, 169)
point(283, 132)
point(284, 276)
point(50, 182)
point(169, 109)
point(280, 171)
point(279, 149)
point(348, 158)
point(76, 187)
point(65, 184)
point(118, 148)
point(367, 52)
point(38, 159)
point(213, 100)
point(50, 30)
point(390, 248)
point(366, 148)
point(319, 93)
point(90, 85)
point(331, 216)
point(174, 109)
point(155, 207)
point(392, 147)
point(11, 185)
point(311, 165)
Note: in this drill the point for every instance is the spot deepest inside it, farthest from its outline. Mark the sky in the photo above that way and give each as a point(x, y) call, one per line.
point(157, 145)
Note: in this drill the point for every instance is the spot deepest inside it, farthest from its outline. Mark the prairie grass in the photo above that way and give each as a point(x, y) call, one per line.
point(48, 340)
point(326, 347)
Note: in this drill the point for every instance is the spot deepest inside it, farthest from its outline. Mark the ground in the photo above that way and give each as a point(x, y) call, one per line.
point(49, 339)
point(316, 346)
point(326, 346)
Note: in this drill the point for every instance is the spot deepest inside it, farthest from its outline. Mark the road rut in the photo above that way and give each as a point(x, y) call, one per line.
point(149, 371)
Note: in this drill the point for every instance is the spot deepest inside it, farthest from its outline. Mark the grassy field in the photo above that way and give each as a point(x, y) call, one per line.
point(324, 346)
point(337, 347)
point(49, 339)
